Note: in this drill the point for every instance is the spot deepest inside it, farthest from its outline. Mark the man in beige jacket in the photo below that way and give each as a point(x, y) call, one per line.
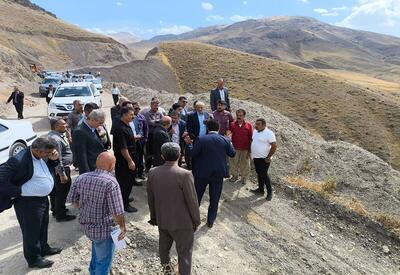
point(173, 207)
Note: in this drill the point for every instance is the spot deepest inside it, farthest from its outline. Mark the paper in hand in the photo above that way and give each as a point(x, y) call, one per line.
point(118, 244)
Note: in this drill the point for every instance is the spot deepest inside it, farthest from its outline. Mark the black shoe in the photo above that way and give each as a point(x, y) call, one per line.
point(66, 218)
point(130, 209)
point(51, 251)
point(131, 199)
point(138, 184)
point(257, 191)
point(142, 177)
point(210, 224)
point(269, 197)
point(42, 263)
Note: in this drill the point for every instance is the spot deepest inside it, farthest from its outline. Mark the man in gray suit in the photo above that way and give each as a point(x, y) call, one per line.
point(174, 208)
point(220, 93)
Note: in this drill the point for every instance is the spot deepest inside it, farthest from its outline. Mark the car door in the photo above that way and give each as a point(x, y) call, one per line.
point(5, 142)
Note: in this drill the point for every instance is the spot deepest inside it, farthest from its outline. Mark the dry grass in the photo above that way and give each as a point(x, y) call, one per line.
point(332, 108)
point(326, 189)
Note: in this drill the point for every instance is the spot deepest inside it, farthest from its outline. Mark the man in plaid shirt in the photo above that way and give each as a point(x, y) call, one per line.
point(98, 197)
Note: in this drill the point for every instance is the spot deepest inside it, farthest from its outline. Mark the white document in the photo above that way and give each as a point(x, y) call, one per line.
point(118, 244)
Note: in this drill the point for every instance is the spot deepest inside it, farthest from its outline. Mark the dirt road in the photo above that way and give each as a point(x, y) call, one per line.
point(292, 234)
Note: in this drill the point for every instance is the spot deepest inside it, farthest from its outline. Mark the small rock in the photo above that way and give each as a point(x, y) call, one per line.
point(312, 234)
point(226, 248)
point(385, 249)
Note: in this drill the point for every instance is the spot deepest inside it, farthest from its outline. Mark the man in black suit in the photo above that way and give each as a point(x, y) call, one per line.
point(26, 180)
point(87, 142)
point(220, 93)
point(160, 137)
point(17, 98)
point(209, 165)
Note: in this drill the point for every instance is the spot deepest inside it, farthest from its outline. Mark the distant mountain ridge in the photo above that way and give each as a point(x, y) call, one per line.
point(305, 42)
point(29, 4)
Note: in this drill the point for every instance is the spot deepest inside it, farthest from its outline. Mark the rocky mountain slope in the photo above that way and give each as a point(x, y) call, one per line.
point(305, 42)
point(326, 106)
point(301, 231)
point(29, 35)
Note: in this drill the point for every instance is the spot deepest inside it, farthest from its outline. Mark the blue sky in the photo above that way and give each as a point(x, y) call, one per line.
point(153, 17)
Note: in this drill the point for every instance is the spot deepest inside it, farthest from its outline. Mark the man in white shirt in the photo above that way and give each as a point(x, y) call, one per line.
point(263, 147)
point(28, 179)
point(116, 93)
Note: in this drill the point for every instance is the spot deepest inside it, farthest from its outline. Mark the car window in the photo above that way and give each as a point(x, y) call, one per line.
point(72, 91)
point(3, 128)
point(50, 81)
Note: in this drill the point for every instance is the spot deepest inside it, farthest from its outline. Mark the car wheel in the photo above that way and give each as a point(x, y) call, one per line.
point(16, 148)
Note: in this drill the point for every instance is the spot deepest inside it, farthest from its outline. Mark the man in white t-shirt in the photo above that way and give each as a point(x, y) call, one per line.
point(116, 93)
point(263, 147)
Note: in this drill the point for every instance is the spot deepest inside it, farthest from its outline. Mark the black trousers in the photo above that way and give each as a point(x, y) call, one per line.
point(262, 175)
point(115, 99)
point(33, 217)
point(139, 158)
point(149, 152)
point(215, 190)
point(58, 196)
point(20, 109)
point(125, 178)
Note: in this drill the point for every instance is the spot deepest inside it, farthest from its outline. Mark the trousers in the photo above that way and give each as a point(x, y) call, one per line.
point(33, 218)
point(215, 190)
point(20, 109)
point(139, 158)
point(262, 175)
point(102, 256)
point(240, 164)
point(184, 246)
point(59, 195)
point(125, 178)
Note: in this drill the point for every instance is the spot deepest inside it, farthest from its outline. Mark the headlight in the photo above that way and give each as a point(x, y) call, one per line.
point(52, 105)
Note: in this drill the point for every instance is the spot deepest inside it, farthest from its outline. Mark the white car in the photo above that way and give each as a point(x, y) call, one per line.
point(97, 81)
point(61, 103)
point(15, 136)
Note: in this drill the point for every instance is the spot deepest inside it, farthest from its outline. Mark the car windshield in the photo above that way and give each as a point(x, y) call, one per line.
point(72, 92)
point(51, 81)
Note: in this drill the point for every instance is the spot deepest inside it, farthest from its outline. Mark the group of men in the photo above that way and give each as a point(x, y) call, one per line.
point(148, 141)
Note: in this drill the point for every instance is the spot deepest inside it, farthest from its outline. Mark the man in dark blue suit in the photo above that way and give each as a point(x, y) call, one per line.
point(196, 126)
point(210, 166)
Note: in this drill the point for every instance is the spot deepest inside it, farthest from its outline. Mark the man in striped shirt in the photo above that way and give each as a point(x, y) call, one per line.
point(98, 197)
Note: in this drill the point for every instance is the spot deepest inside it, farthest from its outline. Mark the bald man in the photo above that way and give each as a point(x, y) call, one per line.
point(160, 137)
point(98, 197)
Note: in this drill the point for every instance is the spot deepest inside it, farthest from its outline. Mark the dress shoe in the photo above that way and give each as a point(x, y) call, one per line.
point(42, 263)
point(131, 199)
point(138, 184)
point(257, 191)
point(51, 251)
point(66, 218)
point(142, 177)
point(210, 224)
point(130, 209)
point(269, 197)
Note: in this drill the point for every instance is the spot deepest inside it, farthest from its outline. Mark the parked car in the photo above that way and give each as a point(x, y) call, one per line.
point(61, 103)
point(44, 86)
point(15, 136)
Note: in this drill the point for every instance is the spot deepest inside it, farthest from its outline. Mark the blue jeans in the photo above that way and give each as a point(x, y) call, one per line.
point(102, 256)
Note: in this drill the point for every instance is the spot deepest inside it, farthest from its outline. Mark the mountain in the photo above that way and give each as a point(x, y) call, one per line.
point(326, 106)
point(305, 42)
point(30, 35)
point(124, 37)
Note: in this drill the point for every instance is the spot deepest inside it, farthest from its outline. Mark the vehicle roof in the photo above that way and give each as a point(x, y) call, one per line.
point(76, 84)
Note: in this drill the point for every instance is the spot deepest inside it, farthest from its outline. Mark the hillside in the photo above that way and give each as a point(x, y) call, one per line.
point(305, 42)
point(330, 108)
point(31, 35)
